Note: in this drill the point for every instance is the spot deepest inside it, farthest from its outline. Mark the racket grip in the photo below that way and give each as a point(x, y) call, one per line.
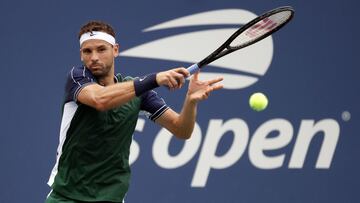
point(193, 68)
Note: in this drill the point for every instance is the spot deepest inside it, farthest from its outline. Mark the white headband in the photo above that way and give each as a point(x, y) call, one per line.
point(97, 35)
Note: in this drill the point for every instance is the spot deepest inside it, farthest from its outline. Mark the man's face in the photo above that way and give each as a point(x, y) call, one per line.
point(98, 56)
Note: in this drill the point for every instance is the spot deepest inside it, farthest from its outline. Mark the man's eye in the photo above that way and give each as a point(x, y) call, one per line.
point(86, 51)
point(102, 49)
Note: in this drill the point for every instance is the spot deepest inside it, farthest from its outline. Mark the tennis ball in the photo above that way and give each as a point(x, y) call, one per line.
point(258, 101)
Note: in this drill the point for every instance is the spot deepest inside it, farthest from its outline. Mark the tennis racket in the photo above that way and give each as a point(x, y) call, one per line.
point(250, 33)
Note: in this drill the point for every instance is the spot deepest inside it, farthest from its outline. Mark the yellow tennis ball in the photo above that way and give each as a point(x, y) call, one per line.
point(258, 101)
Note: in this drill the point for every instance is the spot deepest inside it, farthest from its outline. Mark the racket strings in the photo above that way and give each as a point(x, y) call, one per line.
point(261, 28)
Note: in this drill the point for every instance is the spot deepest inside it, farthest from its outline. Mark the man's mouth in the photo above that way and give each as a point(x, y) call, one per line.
point(95, 66)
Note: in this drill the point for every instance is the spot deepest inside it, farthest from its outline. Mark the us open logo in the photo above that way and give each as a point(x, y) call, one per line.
point(241, 69)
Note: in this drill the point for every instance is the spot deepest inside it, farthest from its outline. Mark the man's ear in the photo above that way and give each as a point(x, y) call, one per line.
point(81, 58)
point(116, 50)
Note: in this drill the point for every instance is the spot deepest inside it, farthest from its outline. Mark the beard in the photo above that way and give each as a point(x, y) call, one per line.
point(99, 70)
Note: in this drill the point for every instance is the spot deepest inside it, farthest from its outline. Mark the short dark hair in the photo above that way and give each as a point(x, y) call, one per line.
point(97, 26)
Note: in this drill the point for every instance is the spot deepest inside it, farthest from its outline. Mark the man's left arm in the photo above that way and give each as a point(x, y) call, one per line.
point(182, 125)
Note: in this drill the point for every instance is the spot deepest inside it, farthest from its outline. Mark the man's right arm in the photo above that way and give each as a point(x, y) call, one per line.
point(108, 97)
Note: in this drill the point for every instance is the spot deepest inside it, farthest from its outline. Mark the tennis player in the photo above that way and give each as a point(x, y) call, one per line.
point(99, 116)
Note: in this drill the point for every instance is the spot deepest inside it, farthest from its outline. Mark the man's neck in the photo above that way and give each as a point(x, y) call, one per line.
point(105, 81)
point(109, 79)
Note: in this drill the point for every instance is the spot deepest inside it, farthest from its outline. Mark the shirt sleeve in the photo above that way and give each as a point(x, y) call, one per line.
point(77, 79)
point(153, 105)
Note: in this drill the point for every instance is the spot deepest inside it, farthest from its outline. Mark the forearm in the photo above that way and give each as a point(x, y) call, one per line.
point(115, 95)
point(108, 97)
point(187, 118)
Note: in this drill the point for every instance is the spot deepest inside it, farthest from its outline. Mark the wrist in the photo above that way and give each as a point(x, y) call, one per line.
point(191, 99)
point(145, 83)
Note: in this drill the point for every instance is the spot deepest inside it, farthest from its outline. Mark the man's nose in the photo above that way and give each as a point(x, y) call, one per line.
point(94, 56)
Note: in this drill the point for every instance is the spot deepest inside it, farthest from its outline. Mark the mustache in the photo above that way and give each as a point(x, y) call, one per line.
point(95, 64)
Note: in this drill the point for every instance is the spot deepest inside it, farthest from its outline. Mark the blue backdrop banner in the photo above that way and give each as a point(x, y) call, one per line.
point(302, 148)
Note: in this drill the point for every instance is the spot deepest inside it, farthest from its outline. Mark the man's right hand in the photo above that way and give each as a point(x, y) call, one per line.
point(174, 78)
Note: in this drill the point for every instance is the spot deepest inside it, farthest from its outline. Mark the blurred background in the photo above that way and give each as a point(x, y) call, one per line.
point(302, 148)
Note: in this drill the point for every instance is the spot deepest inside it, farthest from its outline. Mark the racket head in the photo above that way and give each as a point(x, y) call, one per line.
point(249, 33)
point(260, 28)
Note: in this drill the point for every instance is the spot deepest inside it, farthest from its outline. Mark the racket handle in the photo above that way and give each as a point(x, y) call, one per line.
point(193, 68)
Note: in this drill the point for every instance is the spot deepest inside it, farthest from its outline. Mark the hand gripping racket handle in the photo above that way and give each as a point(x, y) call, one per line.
point(193, 68)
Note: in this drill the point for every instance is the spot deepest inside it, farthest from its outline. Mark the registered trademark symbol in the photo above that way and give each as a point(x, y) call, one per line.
point(346, 116)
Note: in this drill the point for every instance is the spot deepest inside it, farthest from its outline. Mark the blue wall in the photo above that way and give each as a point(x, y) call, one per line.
point(312, 81)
